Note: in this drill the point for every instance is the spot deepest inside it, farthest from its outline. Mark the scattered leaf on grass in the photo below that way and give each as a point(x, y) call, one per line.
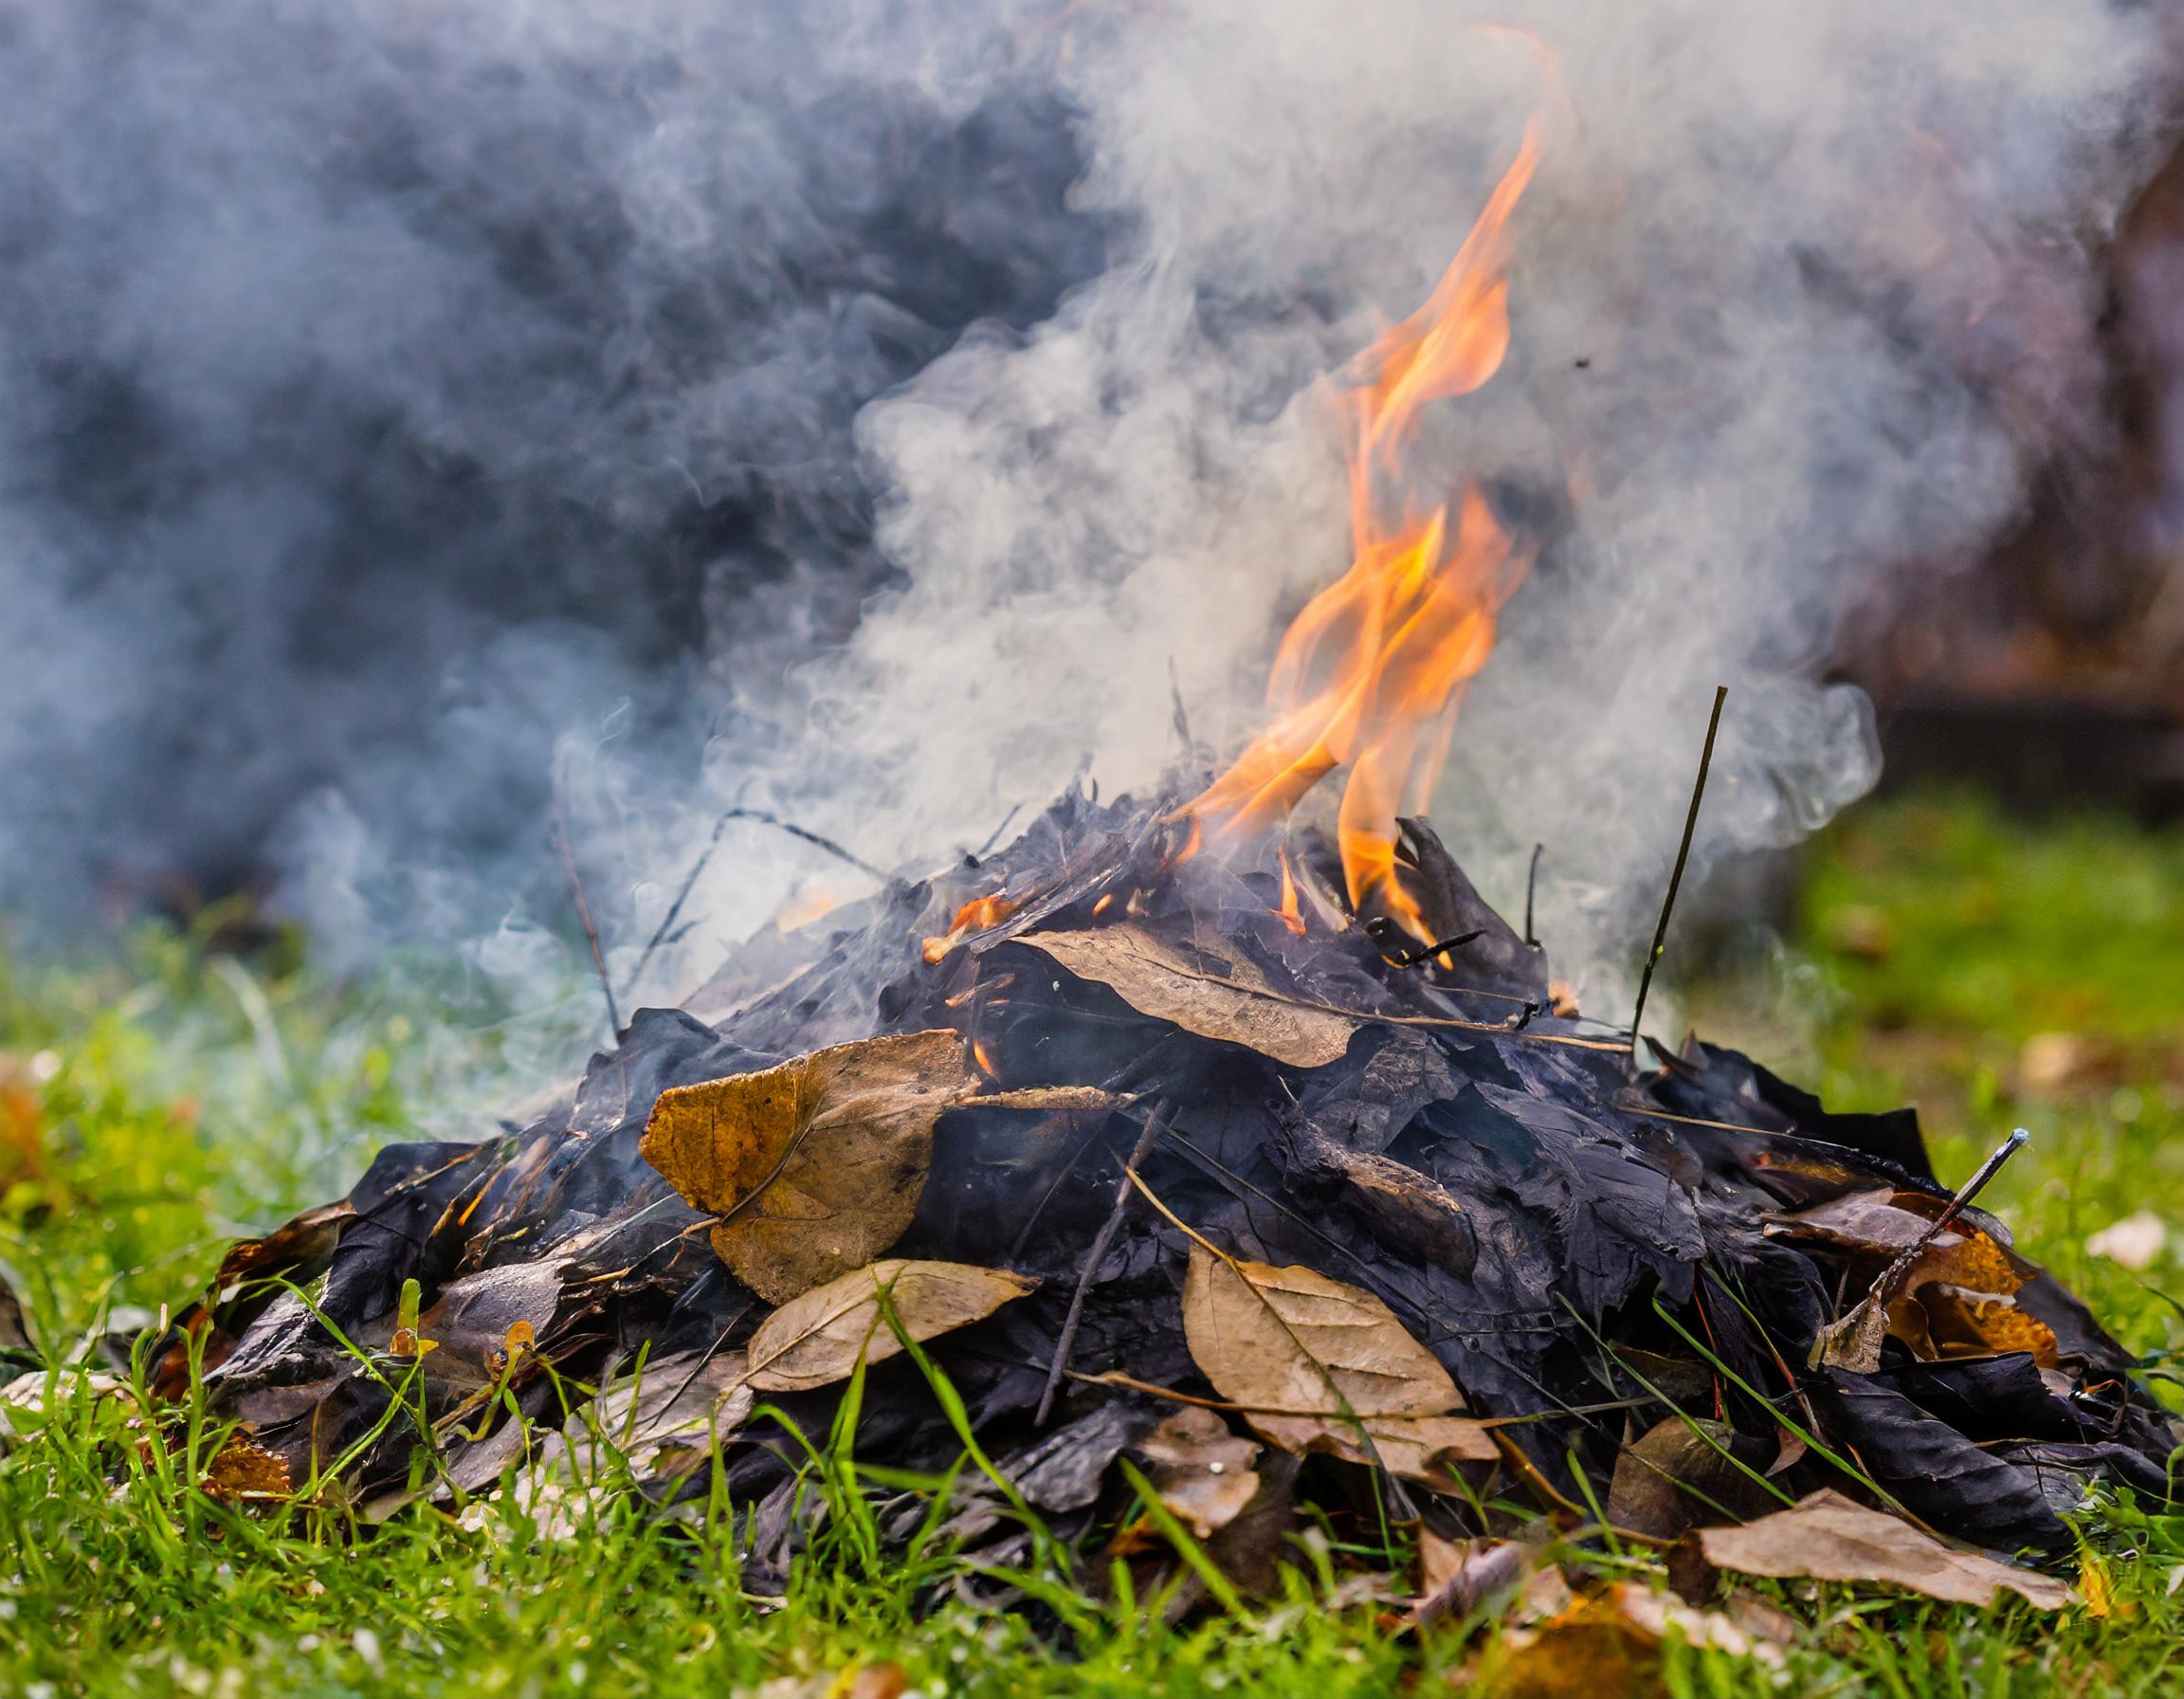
point(1456, 1576)
point(1609, 1646)
point(1232, 1002)
point(1318, 1366)
point(816, 1165)
point(2135, 1242)
point(816, 1339)
point(246, 1469)
point(1201, 1470)
point(1825, 1537)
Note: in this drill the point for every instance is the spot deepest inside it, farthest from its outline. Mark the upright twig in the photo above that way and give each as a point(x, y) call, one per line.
point(977, 857)
point(1676, 878)
point(1531, 885)
point(1182, 715)
point(584, 914)
point(1058, 1366)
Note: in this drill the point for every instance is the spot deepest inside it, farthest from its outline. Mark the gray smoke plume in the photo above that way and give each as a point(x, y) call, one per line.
point(387, 390)
point(1800, 295)
point(390, 394)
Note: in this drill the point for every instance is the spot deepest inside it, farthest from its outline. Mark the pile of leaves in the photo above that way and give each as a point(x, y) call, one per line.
point(1146, 1179)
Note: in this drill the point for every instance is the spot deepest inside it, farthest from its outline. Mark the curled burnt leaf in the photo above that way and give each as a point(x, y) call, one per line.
point(815, 1167)
point(1226, 998)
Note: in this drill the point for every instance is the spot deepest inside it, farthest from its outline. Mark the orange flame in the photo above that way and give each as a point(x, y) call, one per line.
point(974, 915)
point(1372, 672)
point(1292, 917)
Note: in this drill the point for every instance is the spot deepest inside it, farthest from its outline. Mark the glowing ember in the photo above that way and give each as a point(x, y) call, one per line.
point(1372, 672)
point(974, 915)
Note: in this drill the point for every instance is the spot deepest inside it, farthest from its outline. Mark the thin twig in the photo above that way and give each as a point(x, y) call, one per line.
point(1854, 1341)
point(977, 857)
point(1676, 878)
point(1965, 1193)
point(1055, 1370)
point(705, 855)
point(1426, 952)
point(584, 914)
point(1531, 885)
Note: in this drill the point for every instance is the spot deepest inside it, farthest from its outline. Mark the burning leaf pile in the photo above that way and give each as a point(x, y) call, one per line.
point(1155, 1180)
point(1173, 1156)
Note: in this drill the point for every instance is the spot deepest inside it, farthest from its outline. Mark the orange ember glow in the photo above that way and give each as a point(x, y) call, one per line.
point(974, 915)
point(1371, 674)
point(979, 1055)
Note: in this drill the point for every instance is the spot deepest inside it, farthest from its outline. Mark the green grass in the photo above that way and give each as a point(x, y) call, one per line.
point(156, 1104)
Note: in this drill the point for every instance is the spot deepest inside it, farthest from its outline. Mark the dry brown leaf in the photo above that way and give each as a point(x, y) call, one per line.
point(816, 1339)
point(1313, 1359)
point(1201, 1470)
point(1825, 1537)
point(1675, 1474)
point(815, 1167)
point(1227, 999)
point(245, 1469)
point(1456, 1576)
point(1609, 1644)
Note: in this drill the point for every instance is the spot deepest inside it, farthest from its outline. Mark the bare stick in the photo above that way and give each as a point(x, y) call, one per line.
point(1965, 1193)
point(690, 879)
point(977, 856)
point(1854, 1341)
point(591, 931)
point(1381, 928)
point(1055, 1370)
point(1532, 884)
point(1676, 878)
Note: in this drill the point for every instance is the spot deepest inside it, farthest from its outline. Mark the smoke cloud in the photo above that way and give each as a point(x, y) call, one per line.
point(389, 390)
point(1799, 297)
point(862, 411)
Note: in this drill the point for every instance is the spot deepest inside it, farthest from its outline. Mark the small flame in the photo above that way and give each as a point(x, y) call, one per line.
point(1101, 906)
point(974, 915)
point(1372, 672)
point(1291, 916)
point(1193, 841)
point(979, 1055)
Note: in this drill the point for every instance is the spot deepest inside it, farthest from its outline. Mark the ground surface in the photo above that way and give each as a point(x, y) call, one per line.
point(1997, 973)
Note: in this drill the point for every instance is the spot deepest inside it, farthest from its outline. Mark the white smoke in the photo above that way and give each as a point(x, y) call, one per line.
point(1799, 295)
point(391, 391)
